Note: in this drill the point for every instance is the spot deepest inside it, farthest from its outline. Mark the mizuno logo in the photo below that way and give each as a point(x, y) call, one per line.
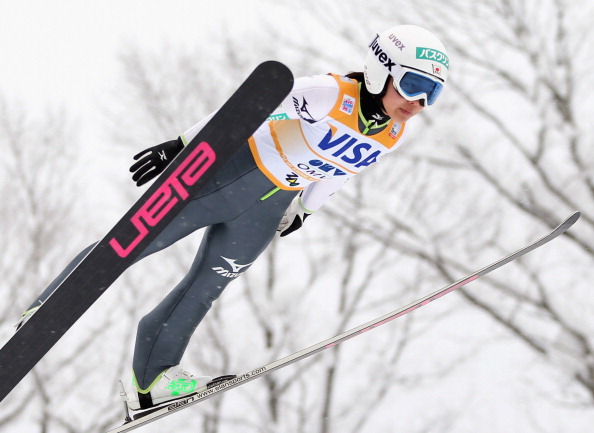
point(235, 268)
point(302, 110)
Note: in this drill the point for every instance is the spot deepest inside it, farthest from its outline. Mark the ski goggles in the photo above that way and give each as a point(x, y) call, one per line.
point(413, 85)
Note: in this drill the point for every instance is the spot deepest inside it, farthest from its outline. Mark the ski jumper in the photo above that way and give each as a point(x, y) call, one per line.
point(310, 145)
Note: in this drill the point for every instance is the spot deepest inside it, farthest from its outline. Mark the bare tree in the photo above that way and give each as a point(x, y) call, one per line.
point(41, 225)
point(551, 173)
point(266, 314)
point(35, 213)
point(505, 156)
point(45, 222)
point(506, 148)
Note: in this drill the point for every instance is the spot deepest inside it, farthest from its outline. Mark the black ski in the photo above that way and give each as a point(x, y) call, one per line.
point(150, 415)
point(231, 126)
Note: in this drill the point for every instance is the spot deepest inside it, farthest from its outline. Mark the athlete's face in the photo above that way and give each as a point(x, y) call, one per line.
point(398, 108)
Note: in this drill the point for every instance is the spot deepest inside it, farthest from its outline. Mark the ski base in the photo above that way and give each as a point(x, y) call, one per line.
point(240, 380)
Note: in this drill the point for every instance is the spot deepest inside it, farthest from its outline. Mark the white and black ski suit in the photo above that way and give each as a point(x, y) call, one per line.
point(317, 139)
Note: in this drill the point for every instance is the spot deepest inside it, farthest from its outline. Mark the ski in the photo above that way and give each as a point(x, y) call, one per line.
point(260, 94)
point(154, 414)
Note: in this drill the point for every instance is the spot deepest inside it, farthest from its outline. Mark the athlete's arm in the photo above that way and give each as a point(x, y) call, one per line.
point(316, 194)
point(311, 99)
point(307, 202)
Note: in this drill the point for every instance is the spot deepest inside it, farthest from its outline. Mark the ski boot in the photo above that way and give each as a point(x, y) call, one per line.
point(173, 384)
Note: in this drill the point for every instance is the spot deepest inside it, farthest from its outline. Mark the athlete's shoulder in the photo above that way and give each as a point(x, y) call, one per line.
point(321, 81)
point(312, 98)
point(324, 81)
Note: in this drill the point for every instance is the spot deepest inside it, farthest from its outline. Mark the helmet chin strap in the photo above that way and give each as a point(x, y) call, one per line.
point(379, 98)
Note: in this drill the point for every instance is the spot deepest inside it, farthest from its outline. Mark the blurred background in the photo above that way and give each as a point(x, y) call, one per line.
point(503, 157)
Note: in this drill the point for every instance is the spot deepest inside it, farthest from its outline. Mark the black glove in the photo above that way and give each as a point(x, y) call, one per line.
point(295, 225)
point(152, 161)
point(293, 218)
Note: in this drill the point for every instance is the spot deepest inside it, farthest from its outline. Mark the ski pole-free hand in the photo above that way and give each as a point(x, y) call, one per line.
point(152, 161)
point(293, 218)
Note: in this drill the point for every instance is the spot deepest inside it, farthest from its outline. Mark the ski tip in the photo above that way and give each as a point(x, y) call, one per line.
point(274, 64)
point(569, 221)
point(276, 70)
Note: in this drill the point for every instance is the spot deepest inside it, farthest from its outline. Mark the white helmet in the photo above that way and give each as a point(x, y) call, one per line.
point(414, 57)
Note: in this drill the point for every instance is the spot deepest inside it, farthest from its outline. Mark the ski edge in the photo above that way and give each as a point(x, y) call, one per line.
point(192, 399)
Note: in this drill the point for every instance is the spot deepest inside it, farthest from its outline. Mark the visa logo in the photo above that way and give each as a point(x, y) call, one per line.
point(349, 149)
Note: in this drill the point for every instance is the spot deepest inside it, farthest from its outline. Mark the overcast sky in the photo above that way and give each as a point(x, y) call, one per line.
point(64, 51)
